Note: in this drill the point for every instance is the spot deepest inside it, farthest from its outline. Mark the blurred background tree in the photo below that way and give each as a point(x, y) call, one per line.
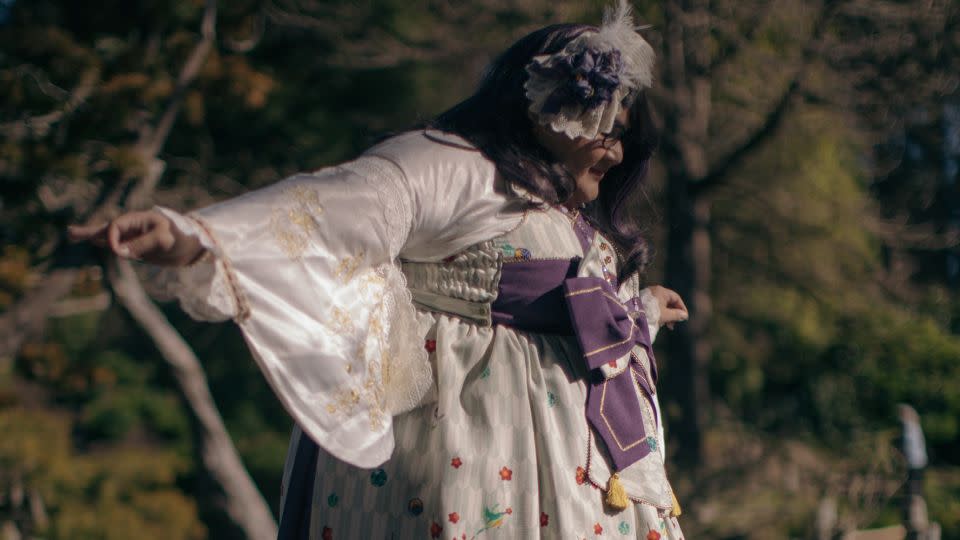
point(804, 202)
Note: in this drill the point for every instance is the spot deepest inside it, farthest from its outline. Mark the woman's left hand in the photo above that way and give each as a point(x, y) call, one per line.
point(672, 308)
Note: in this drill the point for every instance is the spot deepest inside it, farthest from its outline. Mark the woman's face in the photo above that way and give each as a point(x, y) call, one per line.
point(588, 160)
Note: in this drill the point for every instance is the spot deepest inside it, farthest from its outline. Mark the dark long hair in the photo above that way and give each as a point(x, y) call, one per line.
point(496, 121)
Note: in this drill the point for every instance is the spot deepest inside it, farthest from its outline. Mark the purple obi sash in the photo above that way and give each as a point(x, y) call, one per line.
point(546, 297)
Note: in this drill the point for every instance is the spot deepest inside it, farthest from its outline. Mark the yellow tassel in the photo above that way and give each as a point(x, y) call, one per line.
point(616, 496)
point(676, 506)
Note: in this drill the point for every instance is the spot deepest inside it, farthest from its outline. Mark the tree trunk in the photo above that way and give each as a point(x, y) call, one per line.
point(686, 131)
point(688, 272)
point(243, 502)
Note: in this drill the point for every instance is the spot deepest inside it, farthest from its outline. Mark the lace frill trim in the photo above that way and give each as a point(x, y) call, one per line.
point(651, 308)
point(408, 376)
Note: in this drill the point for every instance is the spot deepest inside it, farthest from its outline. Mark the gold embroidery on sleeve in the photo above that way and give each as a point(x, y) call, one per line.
point(293, 225)
point(348, 267)
point(366, 387)
point(341, 321)
point(370, 279)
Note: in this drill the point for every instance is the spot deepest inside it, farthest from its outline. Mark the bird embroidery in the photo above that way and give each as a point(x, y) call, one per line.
point(492, 519)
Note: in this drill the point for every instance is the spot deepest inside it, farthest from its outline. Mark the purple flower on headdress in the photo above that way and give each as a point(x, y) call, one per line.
point(588, 78)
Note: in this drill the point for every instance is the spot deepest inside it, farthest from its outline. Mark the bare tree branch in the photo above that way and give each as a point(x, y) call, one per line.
point(78, 306)
point(246, 45)
point(371, 44)
point(39, 126)
point(721, 167)
point(244, 503)
point(898, 233)
point(43, 82)
point(191, 68)
point(28, 317)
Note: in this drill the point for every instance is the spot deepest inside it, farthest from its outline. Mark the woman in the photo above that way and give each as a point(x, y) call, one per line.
point(454, 319)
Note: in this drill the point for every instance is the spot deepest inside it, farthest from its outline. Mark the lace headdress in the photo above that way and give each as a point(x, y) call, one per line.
point(580, 90)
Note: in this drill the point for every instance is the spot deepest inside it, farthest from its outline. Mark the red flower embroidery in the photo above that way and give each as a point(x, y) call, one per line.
point(544, 519)
point(327, 533)
point(506, 474)
point(435, 530)
point(454, 517)
point(653, 535)
point(612, 363)
point(430, 345)
point(581, 475)
point(597, 529)
point(509, 511)
point(456, 462)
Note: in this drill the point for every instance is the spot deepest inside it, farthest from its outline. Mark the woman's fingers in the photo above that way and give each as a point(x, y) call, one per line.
point(130, 235)
point(113, 238)
point(97, 234)
point(675, 301)
point(672, 308)
point(140, 246)
point(670, 316)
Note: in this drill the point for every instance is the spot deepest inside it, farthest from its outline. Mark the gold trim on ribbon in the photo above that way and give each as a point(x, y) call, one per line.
point(603, 398)
point(617, 344)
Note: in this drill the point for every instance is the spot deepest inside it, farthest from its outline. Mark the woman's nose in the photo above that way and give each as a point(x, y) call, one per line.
point(614, 153)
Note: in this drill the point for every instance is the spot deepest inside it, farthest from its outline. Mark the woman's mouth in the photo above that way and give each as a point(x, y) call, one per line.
point(598, 173)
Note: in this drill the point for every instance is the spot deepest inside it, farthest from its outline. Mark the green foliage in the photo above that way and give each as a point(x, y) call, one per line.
point(104, 494)
point(908, 359)
point(14, 272)
point(809, 342)
point(942, 490)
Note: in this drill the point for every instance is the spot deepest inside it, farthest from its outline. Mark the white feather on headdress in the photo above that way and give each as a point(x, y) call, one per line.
point(617, 33)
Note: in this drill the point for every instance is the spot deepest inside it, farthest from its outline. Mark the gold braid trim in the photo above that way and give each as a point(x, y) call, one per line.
point(243, 308)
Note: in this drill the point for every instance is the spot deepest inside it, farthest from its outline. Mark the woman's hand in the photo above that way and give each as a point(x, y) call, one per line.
point(148, 236)
point(672, 308)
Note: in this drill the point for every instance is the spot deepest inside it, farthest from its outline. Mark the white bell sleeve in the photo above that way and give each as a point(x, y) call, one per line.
point(307, 269)
point(651, 308)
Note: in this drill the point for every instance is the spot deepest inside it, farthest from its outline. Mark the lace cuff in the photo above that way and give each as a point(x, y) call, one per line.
point(407, 376)
point(206, 290)
point(651, 309)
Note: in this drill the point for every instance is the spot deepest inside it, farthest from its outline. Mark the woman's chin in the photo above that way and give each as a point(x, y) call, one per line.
point(582, 197)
